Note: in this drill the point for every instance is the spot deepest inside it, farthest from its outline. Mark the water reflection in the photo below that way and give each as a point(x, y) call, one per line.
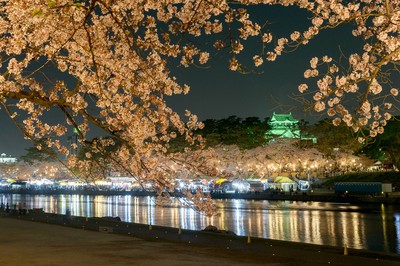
point(397, 230)
point(373, 227)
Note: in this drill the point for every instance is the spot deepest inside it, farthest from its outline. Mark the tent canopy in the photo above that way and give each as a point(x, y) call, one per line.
point(283, 179)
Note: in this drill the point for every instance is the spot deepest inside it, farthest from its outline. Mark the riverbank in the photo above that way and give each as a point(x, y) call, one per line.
point(314, 195)
point(39, 238)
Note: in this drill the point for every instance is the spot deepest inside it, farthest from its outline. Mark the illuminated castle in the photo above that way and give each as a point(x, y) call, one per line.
point(285, 126)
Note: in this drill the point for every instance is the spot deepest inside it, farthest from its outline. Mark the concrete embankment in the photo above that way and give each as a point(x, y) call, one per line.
point(113, 242)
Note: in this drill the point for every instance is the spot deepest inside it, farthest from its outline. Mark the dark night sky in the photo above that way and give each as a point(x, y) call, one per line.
point(218, 93)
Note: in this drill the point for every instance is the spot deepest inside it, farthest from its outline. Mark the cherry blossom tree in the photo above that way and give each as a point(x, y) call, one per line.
point(110, 69)
point(7, 170)
point(361, 93)
point(116, 59)
point(38, 169)
point(282, 157)
point(273, 158)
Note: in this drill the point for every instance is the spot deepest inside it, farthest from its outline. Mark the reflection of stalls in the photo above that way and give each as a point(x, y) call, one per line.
point(283, 183)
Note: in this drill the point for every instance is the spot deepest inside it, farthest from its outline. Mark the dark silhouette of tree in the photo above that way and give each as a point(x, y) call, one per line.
point(44, 154)
point(246, 133)
point(333, 139)
point(386, 146)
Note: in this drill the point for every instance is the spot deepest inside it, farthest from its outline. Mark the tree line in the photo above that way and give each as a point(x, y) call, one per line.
point(249, 133)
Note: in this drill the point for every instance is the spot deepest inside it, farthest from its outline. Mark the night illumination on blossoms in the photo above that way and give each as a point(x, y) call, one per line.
point(111, 61)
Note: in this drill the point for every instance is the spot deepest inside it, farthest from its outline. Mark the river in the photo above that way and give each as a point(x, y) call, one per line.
point(365, 226)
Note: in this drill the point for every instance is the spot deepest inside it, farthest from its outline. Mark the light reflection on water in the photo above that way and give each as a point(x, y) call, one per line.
point(372, 227)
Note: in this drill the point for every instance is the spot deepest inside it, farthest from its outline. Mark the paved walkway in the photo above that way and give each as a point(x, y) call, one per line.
point(33, 243)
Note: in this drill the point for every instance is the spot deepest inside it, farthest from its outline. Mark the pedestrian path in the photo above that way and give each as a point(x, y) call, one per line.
point(27, 242)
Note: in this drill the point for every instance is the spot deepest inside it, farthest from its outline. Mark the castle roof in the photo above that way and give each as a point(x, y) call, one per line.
point(283, 118)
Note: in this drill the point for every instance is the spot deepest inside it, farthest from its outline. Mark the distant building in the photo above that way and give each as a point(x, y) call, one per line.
point(7, 159)
point(285, 126)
